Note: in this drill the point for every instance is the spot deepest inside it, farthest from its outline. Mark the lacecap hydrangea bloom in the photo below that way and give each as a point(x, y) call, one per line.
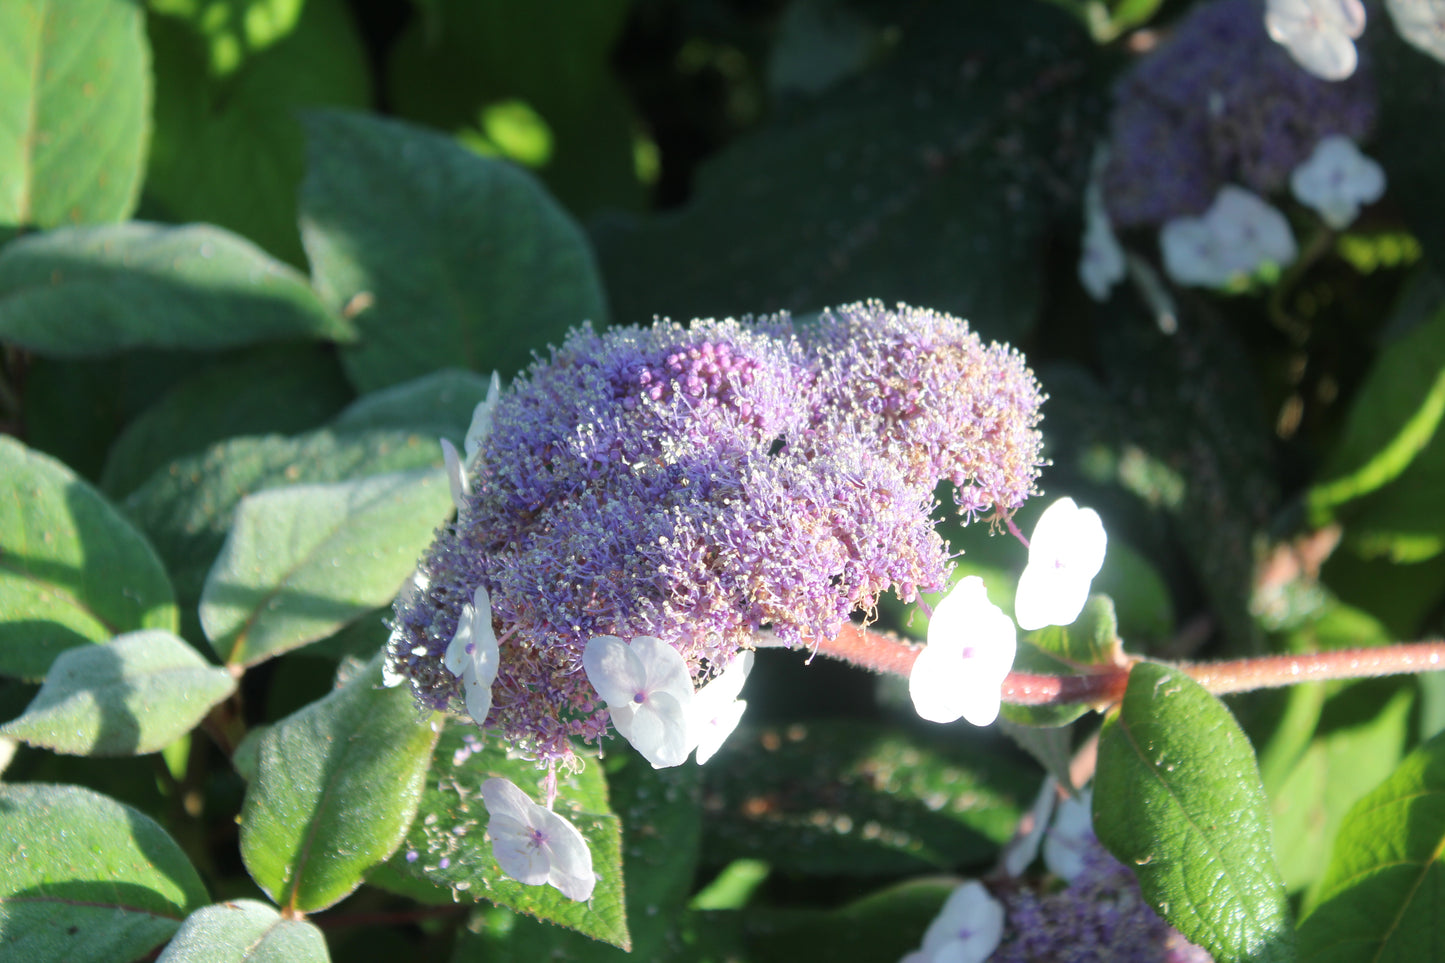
point(1220, 103)
point(695, 485)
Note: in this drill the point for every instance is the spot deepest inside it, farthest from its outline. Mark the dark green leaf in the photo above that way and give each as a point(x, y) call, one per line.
point(188, 507)
point(72, 569)
point(1380, 900)
point(136, 694)
point(228, 148)
point(860, 800)
point(275, 585)
point(75, 91)
point(447, 857)
point(244, 931)
point(442, 401)
point(906, 183)
point(92, 291)
point(442, 256)
point(274, 390)
point(337, 785)
point(86, 879)
point(1177, 797)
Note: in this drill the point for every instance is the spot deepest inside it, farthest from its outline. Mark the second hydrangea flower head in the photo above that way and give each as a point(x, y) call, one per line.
point(695, 485)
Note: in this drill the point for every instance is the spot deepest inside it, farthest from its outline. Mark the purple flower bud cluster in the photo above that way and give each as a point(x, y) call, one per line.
point(1220, 102)
point(699, 483)
point(1100, 917)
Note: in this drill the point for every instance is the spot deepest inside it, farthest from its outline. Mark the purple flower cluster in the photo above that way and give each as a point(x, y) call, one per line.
point(1100, 917)
point(1220, 102)
point(698, 483)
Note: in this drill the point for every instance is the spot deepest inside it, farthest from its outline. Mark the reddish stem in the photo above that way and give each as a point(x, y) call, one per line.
point(883, 652)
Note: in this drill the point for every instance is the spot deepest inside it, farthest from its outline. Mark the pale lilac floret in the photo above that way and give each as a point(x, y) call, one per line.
point(698, 484)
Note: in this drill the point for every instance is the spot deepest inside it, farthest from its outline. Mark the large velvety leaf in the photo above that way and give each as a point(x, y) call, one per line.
point(337, 785)
point(1177, 796)
point(75, 92)
point(447, 856)
point(72, 569)
point(273, 390)
point(135, 694)
point(1380, 900)
point(278, 584)
point(187, 508)
point(86, 879)
point(444, 257)
point(87, 292)
point(908, 183)
point(226, 109)
point(847, 798)
point(245, 931)
point(461, 63)
point(442, 401)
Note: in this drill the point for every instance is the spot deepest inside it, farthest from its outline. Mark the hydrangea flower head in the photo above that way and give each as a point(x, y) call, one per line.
point(1065, 553)
point(1220, 102)
point(966, 930)
point(697, 484)
point(971, 647)
point(1336, 180)
point(1319, 34)
point(534, 845)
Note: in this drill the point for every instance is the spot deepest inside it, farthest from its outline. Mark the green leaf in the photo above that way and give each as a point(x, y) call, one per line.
point(661, 817)
point(903, 183)
point(1092, 640)
point(442, 401)
point(244, 931)
point(460, 64)
point(276, 585)
point(133, 695)
point(86, 879)
point(447, 857)
point(226, 109)
point(188, 507)
point(813, 799)
point(87, 292)
point(337, 785)
point(75, 92)
point(1177, 797)
point(443, 257)
point(273, 390)
point(72, 569)
point(1380, 900)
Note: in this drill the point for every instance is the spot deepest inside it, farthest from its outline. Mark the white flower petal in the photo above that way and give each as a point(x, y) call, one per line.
point(1070, 837)
point(455, 476)
point(968, 928)
point(1248, 231)
point(716, 709)
point(971, 646)
point(714, 731)
point(458, 654)
point(571, 861)
point(665, 667)
point(614, 670)
point(660, 731)
point(482, 415)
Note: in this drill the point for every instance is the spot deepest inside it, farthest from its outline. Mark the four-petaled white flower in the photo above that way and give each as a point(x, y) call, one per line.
point(534, 845)
point(473, 655)
point(1065, 553)
point(967, 930)
point(1238, 234)
point(1319, 34)
point(649, 694)
point(1070, 837)
point(970, 650)
point(1336, 180)
point(716, 708)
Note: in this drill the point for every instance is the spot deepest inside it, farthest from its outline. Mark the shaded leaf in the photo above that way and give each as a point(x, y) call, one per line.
point(91, 291)
point(443, 256)
point(86, 879)
point(133, 695)
point(447, 856)
point(244, 931)
point(1177, 797)
point(335, 789)
point(1380, 899)
point(70, 75)
point(442, 401)
point(72, 569)
point(276, 584)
